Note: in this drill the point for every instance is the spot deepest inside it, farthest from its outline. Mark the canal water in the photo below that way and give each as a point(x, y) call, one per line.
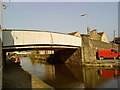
point(73, 76)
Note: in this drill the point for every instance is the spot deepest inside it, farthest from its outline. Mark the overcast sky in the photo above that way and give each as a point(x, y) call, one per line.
point(62, 17)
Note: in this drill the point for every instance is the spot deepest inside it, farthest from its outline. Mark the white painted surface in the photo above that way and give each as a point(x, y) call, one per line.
point(38, 37)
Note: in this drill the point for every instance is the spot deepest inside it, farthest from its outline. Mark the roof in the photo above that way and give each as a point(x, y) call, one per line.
point(101, 33)
point(75, 33)
point(86, 35)
point(117, 38)
point(94, 30)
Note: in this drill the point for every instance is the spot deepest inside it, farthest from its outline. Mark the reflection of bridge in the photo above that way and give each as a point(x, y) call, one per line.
point(24, 39)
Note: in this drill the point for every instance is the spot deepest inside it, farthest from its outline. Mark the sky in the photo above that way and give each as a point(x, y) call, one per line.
point(63, 17)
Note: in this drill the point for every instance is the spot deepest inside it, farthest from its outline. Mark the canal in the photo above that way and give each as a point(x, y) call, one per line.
point(73, 76)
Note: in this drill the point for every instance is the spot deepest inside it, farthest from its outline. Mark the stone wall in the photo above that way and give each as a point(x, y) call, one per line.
point(90, 47)
point(72, 56)
point(119, 46)
point(94, 35)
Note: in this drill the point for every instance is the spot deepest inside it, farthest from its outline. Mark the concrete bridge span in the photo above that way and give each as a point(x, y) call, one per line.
point(19, 38)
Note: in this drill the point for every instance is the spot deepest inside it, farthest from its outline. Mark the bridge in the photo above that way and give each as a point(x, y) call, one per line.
point(31, 39)
point(66, 47)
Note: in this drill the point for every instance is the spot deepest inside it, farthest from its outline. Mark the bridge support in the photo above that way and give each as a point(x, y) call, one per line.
point(72, 56)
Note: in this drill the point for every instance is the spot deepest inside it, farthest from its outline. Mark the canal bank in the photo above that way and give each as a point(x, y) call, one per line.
point(104, 63)
point(16, 77)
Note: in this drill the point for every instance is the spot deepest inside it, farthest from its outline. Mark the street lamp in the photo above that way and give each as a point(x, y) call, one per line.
point(88, 29)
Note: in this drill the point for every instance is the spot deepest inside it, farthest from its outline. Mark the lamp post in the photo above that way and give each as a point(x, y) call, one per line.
point(88, 28)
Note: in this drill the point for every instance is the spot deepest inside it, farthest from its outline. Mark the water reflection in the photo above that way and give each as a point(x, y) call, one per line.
point(73, 76)
point(109, 73)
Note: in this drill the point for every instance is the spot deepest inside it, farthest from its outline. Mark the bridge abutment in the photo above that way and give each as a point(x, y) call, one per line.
point(71, 56)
